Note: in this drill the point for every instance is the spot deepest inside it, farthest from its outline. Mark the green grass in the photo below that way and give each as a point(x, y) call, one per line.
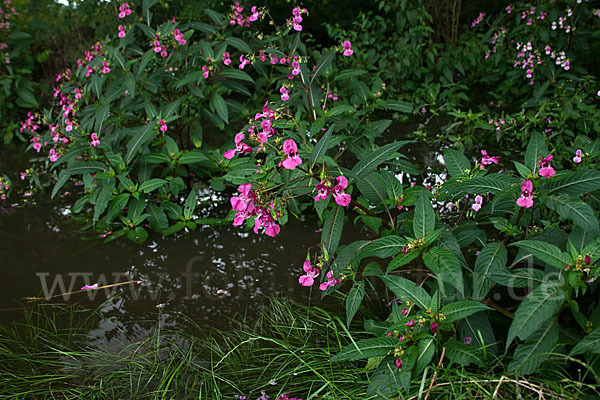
point(48, 356)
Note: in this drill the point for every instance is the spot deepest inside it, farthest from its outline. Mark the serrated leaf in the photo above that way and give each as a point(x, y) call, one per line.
point(323, 63)
point(157, 218)
point(540, 305)
point(383, 247)
point(536, 149)
point(462, 309)
point(446, 267)
point(456, 162)
point(236, 74)
point(192, 157)
point(321, 147)
point(152, 185)
point(573, 183)
point(403, 288)
point(492, 257)
point(589, 344)
point(355, 297)
point(531, 354)
point(221, 107)
point(424, 219)
point(332, 229)
point(372, 160)
point(546, 252)
point(574, 209)
point(141, 136)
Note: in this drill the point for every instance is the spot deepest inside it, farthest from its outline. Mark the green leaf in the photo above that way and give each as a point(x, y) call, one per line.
point(574, 209)
point(238, 44)
point(546, 252)
point(157, 218)
point(531, 354)
point(190, 205)
point(488, 184)
point(373, 159)
point(85, 167)
point(398, 105)
point(462, 309)
point(221, 107)
point(341, 109)
point(539, 306)
point(355, 297)
point(522, 169)
point(456, 162)
point(192, 157)
point(348, 73)
point(332, 229)
point(403, 288)
point(236, 74)
point(446, 267)
point(63, 178)
point(383, 247)
point(141, 136)
point(573, 183)
point(201, 26)
point(321, 147)
point(536, 149)
point(424, 219)
point(426, 350)
point(117, 205)
point(102, 200)
point(366, 348)
point(589, 344)
point(492, 258)
point(323, 63)
point(152, 184)
point(460, 353)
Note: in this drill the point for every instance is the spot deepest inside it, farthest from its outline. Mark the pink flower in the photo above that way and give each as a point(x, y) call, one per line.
point(487, 160)
point(311, 273)
point(347, 48)
point(331, 281)
point(88, 287)
point(411, 323)
point(478, 202)
point(322, 191)
point(433, 327)
point(95, 141)
point(291, 150)
point(578, 156)
point(54, 156)
point(296, 23)
point(240, 147)
point(285, 94)
point(243, 203)
point(399, 363)
point(163, 125)
point(226, 59)
point(526, 199)
point(546, 169)
point(341, 197)
point(122, 32)
point(124, 10)
point(105, 69)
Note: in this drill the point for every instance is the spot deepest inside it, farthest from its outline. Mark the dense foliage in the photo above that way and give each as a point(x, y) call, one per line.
point(496, 259)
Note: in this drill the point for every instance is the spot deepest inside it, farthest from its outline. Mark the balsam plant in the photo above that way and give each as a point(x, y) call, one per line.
point(296, 132)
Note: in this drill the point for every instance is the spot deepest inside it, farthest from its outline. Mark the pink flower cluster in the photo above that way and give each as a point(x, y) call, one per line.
point(330, 282)
point(95, 50)
point(478, 20)
point(578, 156)
point(158, 47)
point(206, 71)
point(246, 204)
point(124, 10)
point(236, 16)
point(497, 123)
point(527, 59)
point(4, 187)
point(285, 93)
point(122, 32)
point(339, 191)
point(265, 119)
point(179, 37)
point(297, 18)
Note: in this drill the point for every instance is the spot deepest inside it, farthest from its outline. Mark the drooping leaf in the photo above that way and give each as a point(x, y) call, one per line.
point(355, 297)
point(546, 252)
point(332, 229)
point(462, 309)
point(366, 348)
point(492, 257)
point(424, 219)
point(531, 354)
